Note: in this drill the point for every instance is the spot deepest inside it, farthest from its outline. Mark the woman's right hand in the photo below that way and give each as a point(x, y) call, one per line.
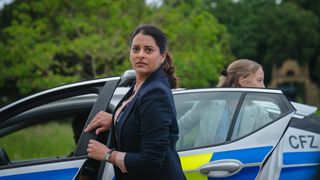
point(102, 121)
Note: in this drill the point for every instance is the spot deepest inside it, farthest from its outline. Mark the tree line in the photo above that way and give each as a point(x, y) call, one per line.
point(46, 43)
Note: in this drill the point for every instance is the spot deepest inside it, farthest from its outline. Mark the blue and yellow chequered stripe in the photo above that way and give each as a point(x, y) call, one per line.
point(190, 163)
point(193, 162)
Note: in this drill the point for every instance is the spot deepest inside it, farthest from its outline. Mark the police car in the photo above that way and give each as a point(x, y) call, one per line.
point(267, 137)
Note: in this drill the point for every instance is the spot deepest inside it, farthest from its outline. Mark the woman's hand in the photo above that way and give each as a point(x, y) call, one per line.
point(101, 122)
point(97, 150)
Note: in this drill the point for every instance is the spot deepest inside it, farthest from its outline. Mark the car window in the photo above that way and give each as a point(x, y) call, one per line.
point(51, 130)
point(257, 111)
point(39, 141)
point(204, 118)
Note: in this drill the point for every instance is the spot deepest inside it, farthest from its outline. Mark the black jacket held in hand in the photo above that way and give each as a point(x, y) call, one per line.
point(148, 131)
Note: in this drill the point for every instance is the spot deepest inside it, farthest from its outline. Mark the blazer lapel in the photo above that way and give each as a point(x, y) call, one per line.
point(114, 131)
point(127, 110)
point(124, 117)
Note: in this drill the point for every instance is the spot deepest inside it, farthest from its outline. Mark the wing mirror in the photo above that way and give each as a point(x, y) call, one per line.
point(128, 78)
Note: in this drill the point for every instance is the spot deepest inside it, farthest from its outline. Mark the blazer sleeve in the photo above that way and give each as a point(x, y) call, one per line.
point(157, 113)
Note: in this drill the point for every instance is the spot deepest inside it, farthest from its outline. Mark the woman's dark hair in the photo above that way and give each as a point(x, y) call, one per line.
point(161, 41)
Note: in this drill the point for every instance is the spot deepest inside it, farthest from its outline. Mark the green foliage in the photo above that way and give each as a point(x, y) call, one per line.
point(270, 33)
point(296, 34)
point(199, 42)
point(46, 43)
point(312, 7)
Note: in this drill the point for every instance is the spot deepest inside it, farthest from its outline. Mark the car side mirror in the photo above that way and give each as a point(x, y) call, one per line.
point(4, 159)
point(128, 78)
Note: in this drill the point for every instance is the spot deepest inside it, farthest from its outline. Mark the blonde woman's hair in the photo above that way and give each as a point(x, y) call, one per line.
point(235, 70)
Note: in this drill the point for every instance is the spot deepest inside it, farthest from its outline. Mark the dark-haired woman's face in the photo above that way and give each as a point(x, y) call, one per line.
point(145, 56)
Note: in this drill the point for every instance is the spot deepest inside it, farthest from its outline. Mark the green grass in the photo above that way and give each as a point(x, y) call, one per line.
point(45, 140)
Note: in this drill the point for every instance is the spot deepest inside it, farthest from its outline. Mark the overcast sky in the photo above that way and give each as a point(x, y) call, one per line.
point(3, 2)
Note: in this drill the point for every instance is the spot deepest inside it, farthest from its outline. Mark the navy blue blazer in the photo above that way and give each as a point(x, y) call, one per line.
point(147, 131)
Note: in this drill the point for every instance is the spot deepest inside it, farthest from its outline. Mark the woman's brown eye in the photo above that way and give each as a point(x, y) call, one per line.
point(135, 50)
point(149, 50)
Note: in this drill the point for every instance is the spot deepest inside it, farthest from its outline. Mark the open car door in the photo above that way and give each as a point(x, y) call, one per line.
point(61, 103)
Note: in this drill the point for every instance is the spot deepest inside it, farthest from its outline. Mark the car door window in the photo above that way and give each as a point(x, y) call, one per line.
point(204, 118)
point(50, 130)
point(257, 111)
point(44, 140)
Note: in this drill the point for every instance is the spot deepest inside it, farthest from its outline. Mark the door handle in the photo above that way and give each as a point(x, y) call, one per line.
point(221, 168)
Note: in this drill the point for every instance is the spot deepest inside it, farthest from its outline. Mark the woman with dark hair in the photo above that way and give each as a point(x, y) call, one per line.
point(144, 128)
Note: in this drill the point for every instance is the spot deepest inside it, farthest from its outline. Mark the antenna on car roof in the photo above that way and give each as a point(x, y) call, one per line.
point(128, 78)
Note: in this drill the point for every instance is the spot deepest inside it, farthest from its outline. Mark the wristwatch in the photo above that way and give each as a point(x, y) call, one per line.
point(108, 155)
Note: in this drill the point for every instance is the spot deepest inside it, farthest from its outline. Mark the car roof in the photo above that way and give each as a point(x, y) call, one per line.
point(228, 90)
point(53, 94)
point(98, 83)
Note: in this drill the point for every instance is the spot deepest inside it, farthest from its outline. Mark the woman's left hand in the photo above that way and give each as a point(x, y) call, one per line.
point(96, 150)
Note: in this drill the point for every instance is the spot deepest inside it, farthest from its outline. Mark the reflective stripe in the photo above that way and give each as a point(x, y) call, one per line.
point(193, 162)
point(250, 157)
point(246, 156)
point(298, 158)
point(195, 176)
point(190, 165)
point(48, 175)
point(302, 172)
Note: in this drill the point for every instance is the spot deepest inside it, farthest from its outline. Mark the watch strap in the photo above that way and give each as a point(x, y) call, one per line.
point(108, 154)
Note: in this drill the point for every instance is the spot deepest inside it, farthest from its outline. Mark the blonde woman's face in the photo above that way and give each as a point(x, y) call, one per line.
point(255, 80)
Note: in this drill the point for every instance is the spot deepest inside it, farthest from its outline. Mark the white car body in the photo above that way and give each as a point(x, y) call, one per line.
point(288, 147)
